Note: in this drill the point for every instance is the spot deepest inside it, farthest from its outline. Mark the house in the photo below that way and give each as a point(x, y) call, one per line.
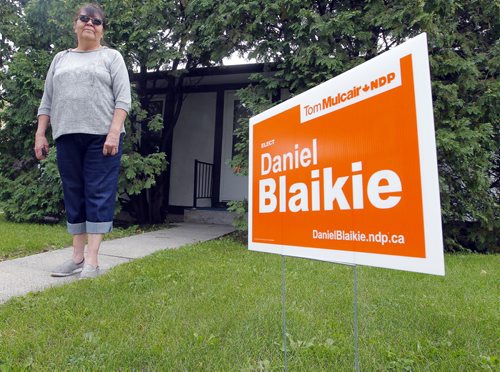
point(202, 144)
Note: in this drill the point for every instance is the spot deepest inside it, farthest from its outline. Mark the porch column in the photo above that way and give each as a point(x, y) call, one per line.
point(219, 125)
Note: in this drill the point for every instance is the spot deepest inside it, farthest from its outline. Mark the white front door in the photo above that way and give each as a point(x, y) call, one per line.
point(232, 186)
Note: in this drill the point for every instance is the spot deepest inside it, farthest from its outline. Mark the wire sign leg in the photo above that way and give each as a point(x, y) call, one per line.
point(283, 307)
point(356, 318)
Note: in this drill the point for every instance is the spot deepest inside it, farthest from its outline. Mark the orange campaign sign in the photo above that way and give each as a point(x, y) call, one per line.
point(347, 171)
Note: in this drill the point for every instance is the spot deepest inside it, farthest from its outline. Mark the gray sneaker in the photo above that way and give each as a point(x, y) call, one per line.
point(68, 268)
point(89, 272)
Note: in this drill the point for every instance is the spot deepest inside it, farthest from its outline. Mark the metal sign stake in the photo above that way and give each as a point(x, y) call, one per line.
point(355, 284)
point(283, 307)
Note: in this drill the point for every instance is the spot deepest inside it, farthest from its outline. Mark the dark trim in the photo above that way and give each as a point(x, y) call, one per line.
point(249, 68)
point(168, 151)
point(177, 209)
point(276, 96)
point(203, 88)
point(214, 87)
point(219, 127)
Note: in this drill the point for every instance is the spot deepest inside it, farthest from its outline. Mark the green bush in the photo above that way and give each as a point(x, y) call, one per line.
point(318, 40)
point(241, 220)
point(472, 237)
point(35, 194)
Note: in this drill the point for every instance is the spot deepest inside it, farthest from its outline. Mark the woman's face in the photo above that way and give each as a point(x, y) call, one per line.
point(88, 31)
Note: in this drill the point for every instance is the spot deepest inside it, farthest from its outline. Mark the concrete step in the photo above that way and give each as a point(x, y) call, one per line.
point(209, 216)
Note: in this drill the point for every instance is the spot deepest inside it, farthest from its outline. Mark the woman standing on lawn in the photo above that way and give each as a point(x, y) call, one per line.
point(86, 100)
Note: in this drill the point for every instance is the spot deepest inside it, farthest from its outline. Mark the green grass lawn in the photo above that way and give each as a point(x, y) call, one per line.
point(23, 239)
point(217, 306)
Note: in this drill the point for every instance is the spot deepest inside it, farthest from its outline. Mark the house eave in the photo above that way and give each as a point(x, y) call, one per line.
point(210, 71)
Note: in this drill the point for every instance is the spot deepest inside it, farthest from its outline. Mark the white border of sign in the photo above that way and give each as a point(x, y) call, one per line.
point(433, 263)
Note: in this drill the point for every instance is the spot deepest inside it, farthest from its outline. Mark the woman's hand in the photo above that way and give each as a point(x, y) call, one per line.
point(41, 147)
point(111, 144)
point(113, 139)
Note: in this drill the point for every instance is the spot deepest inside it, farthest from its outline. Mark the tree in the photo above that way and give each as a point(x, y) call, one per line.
point(166, 36)
point(157, 35)
point(10, 15)
point(304, 43)
point(310, 42)
point(26, 190)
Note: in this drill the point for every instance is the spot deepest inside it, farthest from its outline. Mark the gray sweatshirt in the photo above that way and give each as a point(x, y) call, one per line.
point(83, 89)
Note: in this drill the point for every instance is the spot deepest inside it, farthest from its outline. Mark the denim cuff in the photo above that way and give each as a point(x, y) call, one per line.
point(76, 228)
point(99, 227)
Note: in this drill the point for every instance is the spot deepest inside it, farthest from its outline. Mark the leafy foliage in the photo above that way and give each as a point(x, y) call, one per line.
point(169, 37)
point(153, 35)
point(35, 195)
point(139, 172)
point(310, 42)
point(303, 44)
point(241, 210)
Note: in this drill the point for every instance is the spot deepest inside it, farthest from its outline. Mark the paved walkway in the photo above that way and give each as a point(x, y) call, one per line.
point(32, 273)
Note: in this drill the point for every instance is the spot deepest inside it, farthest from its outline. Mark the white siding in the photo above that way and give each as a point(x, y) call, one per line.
point(232, 186)
point(193, 139)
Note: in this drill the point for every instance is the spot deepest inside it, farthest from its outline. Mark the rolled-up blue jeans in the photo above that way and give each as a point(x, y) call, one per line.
point(90, 181)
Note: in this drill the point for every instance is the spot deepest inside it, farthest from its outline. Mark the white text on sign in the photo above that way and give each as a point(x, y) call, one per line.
point(295, 198)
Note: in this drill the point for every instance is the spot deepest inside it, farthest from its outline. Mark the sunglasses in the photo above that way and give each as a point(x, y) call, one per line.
point(85, 18)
